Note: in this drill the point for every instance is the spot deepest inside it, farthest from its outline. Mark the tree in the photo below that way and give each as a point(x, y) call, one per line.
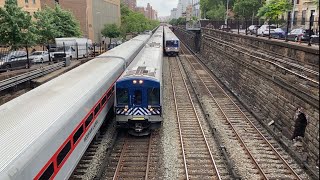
point(134, 22)
point(110, 31)
point(274, 8)
point(217, 12)
point(66, 22)
point(46, 27)
point(246, 8)
point(16, 28)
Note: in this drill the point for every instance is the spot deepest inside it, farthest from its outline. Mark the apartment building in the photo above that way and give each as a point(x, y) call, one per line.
point(303, 12)
point(31, 6)
point(92, 15)
point(132, 4)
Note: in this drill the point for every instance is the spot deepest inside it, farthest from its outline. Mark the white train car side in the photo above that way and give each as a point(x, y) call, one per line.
point(44, 133)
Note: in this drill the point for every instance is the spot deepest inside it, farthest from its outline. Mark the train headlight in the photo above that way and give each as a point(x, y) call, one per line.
point(134, 81)
point(140, 81)
point(151, 109)
point(126, 108)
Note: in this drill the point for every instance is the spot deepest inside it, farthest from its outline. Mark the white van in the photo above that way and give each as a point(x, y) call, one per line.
point(72, 47)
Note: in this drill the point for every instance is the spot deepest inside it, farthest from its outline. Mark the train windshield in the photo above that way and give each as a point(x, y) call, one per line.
point(153, 96)
point(173, 43)
point(122, 96)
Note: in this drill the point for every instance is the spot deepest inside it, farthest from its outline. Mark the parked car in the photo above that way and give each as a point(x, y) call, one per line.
point(295, 34)
point(315, 39)
point(224, 27)
point(253, 29)
point(278, 33)
point(264, 30)
point(39, 56)
point(14, 60)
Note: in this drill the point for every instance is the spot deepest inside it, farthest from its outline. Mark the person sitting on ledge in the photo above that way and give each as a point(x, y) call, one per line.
point(299, 126)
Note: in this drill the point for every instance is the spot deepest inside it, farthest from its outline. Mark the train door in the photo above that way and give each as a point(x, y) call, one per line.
point(136, 97)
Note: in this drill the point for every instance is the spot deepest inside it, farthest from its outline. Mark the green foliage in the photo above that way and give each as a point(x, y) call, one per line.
point(135, 22)
point(66, 23)
point(218, 12)
point(56, 22)
point(274, 8)
point(111, 31)
point(212, 9)
point(16, 27)
point(180, 21)
point(246, 8)
point(46, 28)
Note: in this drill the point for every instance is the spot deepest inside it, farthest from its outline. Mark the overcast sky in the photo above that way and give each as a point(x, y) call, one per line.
point(163, 7)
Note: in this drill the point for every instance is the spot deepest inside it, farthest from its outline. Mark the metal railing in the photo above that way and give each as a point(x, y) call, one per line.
point(13, 81)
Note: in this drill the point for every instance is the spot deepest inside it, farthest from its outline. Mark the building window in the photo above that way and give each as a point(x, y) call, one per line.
point(56, 1)
point(34, 1)
point(297, 2)
point(26, 1)
point(295, 15)
point(303, 17)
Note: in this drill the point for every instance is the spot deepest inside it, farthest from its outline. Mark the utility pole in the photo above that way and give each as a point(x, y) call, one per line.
point(292, 12)
point(226, 21)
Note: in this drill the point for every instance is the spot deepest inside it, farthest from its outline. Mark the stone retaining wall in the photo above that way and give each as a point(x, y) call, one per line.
point(271, 91)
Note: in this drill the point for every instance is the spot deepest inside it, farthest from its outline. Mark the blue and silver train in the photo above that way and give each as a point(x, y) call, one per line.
point(171, 42)
point(138, 101)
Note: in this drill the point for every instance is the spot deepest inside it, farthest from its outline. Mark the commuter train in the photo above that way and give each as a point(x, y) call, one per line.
point(171, 43)
point(138, 102)
point(45, 132)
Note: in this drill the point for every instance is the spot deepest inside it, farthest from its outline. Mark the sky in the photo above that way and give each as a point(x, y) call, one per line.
point(163, 7)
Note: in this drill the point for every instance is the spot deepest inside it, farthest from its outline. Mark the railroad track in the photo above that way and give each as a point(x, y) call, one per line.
point(198, 158)
point(134, 158)
point(257, 151)
point(13, 81)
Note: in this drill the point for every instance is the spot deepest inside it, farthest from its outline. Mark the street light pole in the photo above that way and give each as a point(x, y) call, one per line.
point(226, 21)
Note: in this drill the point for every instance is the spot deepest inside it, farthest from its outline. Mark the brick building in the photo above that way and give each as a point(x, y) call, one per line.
point(132, 4)
point(92, 14)
point(31, 6)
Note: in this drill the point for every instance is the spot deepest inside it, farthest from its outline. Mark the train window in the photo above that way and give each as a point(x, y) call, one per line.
point(88, 120)
point(47, 173)
point(109, 93)
point(96, 110)
point(122, 96)
point(173, 43)
point(104, 99)
point(63, 153)
point(137, 97)
point(77, 135)
point(153, 96)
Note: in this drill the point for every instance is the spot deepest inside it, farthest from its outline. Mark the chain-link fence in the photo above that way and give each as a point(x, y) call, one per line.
point(24, 56)
point(300, 31)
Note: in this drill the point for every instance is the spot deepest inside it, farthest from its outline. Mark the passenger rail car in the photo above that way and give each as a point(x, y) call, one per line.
point(138, 104)
point(171, 42)
point(44, 133)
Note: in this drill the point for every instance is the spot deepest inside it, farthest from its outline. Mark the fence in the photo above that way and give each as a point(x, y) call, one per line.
point(309, 34)
point(24, 56)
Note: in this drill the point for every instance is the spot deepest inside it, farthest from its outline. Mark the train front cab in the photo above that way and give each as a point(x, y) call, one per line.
point(172, 47)
point(138, 104)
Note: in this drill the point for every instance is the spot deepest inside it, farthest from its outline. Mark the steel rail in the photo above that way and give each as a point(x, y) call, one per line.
point(197, 117)
point(13, 81)
point(120, 163)
point(149, 156)
point(243, 114)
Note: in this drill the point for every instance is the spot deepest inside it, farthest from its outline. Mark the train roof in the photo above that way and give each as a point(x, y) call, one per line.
point(148, 63)
point(125, 50)
point(30, 120)
point(169, 35)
